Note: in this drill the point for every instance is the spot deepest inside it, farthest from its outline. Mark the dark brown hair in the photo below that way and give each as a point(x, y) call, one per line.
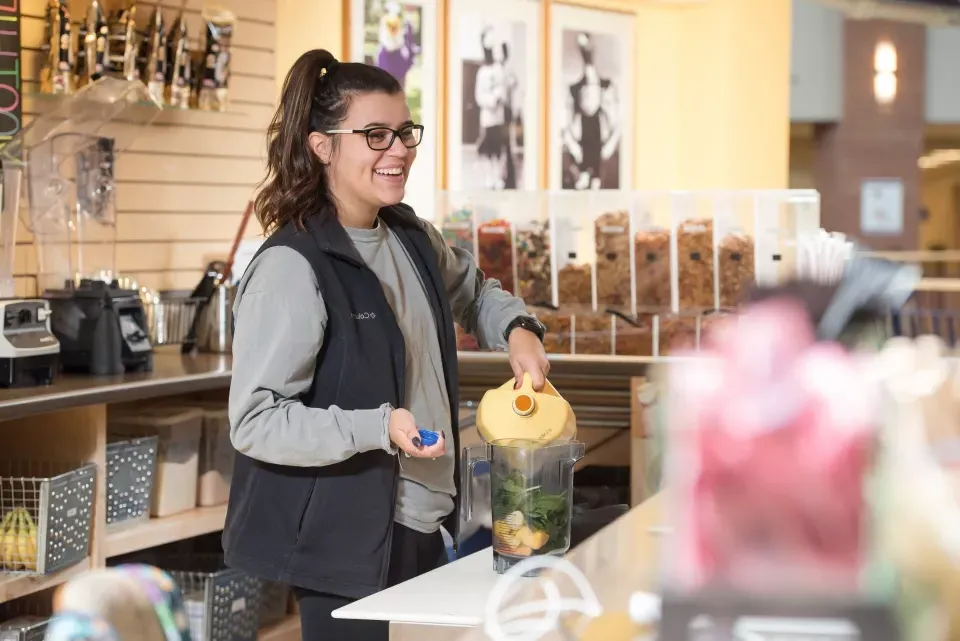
point(315, 97)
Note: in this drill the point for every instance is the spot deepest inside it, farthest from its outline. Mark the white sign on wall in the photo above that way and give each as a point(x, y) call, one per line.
point(881, 207)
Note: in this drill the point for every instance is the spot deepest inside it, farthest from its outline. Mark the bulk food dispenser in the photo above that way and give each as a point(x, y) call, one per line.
point(529, 443)
point(63, 163)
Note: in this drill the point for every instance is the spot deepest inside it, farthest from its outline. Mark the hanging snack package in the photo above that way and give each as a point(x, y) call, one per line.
point(693, 226)
point(677, 332)
point(154, 55)
point(558, 338)
point(573, 251)
point(733, 248)
point(652, 253)
point(123, 44)
point(457, 225)
point(180, 72)
point(593, 333)
point(218, 25)
point(614, 280)
point(59, 65)
point(533, 248)
point(96, 43)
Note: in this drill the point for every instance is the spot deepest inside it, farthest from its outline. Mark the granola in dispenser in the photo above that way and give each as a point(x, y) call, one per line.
point(465, 342)
point(495, 246)
point(735, 260)
point(652, 259)
point(557, 339)
point(575, 283)
point(612, 239)
point(593, 333)
point(695, 265)
point(533, 263)
point(634, 337)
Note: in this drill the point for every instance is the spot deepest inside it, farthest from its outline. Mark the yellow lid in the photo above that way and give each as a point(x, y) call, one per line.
point(509, 413)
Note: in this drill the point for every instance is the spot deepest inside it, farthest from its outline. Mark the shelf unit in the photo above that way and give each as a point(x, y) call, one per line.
point(67, 422)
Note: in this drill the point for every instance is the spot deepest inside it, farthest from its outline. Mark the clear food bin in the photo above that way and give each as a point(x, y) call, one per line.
point(178, 431)
point(215, 469)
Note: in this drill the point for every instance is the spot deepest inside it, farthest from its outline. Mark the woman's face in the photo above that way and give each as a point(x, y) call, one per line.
point(363, 176)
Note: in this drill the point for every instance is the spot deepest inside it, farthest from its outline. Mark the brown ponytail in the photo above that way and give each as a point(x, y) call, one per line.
point(315, 97)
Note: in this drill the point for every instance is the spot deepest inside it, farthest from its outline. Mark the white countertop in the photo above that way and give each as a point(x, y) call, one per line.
point(454, 594)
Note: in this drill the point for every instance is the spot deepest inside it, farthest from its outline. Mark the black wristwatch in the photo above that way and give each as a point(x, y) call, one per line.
point(528, 323)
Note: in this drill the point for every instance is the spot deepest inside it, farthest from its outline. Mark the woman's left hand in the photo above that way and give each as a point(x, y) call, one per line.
point(528, 357)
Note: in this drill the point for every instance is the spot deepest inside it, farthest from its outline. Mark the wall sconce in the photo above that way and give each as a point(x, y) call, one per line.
point(885, 73)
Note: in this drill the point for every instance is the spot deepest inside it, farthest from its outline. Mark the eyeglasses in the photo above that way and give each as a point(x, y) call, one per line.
point(381, 138)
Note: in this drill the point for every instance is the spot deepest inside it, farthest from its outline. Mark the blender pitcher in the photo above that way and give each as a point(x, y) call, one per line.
point(531, 496)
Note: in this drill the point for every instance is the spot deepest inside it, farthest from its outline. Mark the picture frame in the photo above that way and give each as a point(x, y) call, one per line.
point(401, 36)
point(495, 98)
point(592, 79)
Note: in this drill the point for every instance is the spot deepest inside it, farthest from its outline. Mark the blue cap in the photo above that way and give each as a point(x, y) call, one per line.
point(428, 438)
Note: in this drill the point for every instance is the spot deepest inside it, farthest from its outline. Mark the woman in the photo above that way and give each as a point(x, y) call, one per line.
point(344, 346)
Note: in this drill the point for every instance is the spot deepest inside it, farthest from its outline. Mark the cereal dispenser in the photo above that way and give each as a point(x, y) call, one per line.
point(63, 163)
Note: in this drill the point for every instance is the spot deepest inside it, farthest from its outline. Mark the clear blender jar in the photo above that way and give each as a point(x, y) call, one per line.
point(528, 443)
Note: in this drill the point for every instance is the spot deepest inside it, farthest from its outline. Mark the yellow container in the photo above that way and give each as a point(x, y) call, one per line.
point(508, 413)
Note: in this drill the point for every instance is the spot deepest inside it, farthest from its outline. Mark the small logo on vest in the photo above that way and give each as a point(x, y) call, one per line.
point(363, 316)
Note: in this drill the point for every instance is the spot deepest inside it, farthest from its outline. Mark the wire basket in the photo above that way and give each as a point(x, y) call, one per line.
point(223, 604)
point(170, 318)
point(47, 513)
point(131, 468)
point(23, 620)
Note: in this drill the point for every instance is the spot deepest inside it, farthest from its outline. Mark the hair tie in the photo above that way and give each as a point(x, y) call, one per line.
point(329, 68)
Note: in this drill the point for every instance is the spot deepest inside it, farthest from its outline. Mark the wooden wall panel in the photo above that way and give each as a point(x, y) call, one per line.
point(182, 187)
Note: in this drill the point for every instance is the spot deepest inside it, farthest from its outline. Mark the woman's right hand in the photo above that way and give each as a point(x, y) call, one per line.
point(403, 429)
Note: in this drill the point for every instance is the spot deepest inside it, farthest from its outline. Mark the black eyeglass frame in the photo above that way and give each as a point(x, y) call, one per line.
point(395, 133)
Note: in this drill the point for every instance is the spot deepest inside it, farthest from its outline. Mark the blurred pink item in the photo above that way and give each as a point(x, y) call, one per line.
point(780, 432)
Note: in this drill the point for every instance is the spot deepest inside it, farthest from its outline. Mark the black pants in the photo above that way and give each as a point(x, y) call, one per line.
point(412, 554)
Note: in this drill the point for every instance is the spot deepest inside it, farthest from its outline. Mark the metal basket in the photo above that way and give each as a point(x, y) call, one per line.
point(23, 620)
point(131, 468)
point(47, 516)
point(170, 319)
point(223, 604)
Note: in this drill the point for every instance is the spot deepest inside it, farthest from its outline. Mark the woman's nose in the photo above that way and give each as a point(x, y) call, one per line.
point(398, 149)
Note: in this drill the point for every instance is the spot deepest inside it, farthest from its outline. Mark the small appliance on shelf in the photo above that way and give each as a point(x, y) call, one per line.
point(29, 352)
point(66, 161)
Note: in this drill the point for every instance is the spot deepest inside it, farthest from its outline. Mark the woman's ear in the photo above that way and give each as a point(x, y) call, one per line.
point(321, 146)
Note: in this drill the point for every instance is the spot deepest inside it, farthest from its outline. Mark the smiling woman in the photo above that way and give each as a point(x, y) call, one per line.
point(344, 348)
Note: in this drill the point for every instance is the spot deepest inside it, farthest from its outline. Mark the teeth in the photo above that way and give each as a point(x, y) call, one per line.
point(389, 172)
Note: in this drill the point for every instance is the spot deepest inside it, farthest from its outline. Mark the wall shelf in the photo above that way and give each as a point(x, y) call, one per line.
point(14, 586)
point(154, 532)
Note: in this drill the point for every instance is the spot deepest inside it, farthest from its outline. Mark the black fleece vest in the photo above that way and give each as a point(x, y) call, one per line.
point(329, 528)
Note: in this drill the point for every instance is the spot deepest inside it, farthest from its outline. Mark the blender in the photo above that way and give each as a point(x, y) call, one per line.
point(65, 161)
point(29, 352)
point(529, 444)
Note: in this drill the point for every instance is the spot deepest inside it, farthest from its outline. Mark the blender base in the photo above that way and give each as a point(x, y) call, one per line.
point(28, 371)
point(502, 563)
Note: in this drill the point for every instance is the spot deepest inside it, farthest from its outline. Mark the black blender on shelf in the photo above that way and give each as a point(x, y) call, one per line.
point(68, 166)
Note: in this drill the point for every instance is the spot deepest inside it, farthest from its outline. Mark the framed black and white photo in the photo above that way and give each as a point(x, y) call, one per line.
point(400, 36)
point(592, 80)
point(493, 136)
